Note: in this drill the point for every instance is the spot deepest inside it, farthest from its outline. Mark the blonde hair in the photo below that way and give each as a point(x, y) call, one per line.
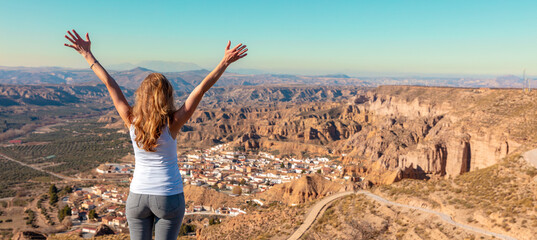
point(152, 110)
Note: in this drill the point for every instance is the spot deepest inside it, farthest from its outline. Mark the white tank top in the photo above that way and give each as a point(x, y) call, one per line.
point(156, 173)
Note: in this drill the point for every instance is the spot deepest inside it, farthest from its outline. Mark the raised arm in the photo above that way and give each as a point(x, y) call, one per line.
point(184, 113)
point(83, 47)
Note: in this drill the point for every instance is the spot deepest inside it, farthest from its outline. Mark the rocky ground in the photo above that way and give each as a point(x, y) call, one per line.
point(501, 198)
point(453, 150)
point(274, 222)
point(303, 190)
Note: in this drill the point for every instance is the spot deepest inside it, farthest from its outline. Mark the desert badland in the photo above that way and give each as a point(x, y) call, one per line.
point(259, 159)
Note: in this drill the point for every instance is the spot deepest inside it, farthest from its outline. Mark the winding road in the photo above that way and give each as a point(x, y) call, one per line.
point(318, 207)
point(314, 213)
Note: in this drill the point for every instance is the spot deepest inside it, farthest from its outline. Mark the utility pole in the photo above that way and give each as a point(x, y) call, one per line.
point(527, 87)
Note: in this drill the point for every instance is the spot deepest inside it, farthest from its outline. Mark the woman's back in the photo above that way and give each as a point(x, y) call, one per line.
point(156, 200)
point(156, 173)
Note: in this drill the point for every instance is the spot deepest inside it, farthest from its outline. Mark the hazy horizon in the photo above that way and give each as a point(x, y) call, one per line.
point(250, 71)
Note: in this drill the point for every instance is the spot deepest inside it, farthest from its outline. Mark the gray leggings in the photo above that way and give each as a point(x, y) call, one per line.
point(165, 212)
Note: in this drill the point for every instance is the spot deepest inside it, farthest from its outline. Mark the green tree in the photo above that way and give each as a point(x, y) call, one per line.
point(66, 190)
point(186, 228)
point(53, 198)
point(92, 214)
point(65, 211)
point(214, 221)
point(242, 182)
point(282, 165)
point(53, 193)
point(52, 189)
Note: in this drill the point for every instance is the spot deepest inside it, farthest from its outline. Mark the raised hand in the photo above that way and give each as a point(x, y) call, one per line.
point(234, 54)
point(80, 45)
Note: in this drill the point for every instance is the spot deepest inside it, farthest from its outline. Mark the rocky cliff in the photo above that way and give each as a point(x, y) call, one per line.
point(383, 134)
point(305, 189)
point(419, 131)
point(392, 132)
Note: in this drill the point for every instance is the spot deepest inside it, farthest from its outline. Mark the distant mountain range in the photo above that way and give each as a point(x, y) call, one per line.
point(185, 81)
point(54, 94)
point(217, 97)
point(181, 81)
point(159, 66)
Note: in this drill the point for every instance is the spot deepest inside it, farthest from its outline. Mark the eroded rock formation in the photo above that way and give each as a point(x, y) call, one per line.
point(431, 136)
point(385, 132)
point(307, 188)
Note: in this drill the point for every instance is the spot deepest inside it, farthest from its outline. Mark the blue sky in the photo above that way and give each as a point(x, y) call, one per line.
point(304, 37)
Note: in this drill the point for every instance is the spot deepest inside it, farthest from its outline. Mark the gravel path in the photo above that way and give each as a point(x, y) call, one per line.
point(314, 214)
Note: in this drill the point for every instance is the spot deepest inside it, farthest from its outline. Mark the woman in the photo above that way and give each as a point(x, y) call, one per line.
point(156, 191)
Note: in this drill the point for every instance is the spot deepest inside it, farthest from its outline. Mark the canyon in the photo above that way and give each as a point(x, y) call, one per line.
point(383, 136)
point(387, 134)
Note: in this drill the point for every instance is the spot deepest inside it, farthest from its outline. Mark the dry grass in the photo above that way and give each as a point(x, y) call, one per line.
point(503, 193)
point(358, 217)
point(275, 222)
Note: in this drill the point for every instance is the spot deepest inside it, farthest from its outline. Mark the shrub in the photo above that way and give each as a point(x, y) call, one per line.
point(237, 190)
point(186, 228)
point(19, 202)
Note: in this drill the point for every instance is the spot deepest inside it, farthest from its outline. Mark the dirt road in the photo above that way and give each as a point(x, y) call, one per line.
point(47, 172)
point(314, 213)
point(38, 169)
point(316, 209)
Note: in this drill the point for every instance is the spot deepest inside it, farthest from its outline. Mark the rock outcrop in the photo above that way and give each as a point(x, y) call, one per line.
point(305, 189)
point(207, 197)
point(430, 130)
point(434, 131)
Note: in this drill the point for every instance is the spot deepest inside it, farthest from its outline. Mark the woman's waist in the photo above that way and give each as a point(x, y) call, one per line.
point(156, 162)
point(156, 169)
point(155, 157)
point(156, 186)
point(156, 176)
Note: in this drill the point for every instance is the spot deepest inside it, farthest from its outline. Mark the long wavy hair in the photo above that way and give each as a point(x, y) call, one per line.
point(153, 110)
